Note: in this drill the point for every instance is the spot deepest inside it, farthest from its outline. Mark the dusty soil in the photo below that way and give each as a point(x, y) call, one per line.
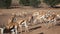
point(42, 30)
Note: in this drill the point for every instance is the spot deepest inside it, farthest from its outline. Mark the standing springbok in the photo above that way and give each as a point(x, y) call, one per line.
point(35, 15)
point(47, 18)
point(51, 20)
point(38, 17)
point(17, 24)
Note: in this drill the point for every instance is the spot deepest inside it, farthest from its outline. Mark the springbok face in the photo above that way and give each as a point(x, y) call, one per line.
point(10, 23)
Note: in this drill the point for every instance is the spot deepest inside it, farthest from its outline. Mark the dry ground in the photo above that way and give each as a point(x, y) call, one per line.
point(43, 29)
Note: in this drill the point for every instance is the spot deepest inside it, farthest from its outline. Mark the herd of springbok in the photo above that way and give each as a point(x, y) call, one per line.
point(19, 20)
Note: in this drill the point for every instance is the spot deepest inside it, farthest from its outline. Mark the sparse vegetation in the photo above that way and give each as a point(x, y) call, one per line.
point(34, 3)
point(5, 3)
point(52, 3)
point(24, 2)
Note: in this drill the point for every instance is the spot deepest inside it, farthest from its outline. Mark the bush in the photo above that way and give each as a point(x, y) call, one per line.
point(5, 3)
point(35, 3)
point(52, 3)
point(24, 2)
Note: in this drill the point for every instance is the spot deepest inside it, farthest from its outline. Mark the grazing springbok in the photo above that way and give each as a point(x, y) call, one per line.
point(27, 20)
point(47, 18)
point(40, 18)
point(12, 24)
point(51, 20)
point(18, 24)
point(35, 15)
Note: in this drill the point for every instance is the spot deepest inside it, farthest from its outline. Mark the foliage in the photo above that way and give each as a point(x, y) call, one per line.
point(35, 3)
point(5, 3)
point(24, 2)
point(52, 3)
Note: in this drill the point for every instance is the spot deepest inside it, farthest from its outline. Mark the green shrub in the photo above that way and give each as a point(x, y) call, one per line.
point(35, 3)
point(52, 3)
point(5, 3)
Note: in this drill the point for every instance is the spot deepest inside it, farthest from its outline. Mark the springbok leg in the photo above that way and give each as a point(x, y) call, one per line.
point(1, 30)
point(26, 28)
point(12, 31)
point(16, 30)
point(20, 26)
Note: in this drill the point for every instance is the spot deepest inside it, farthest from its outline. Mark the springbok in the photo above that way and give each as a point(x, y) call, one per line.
point(11, 24)
point(18, 24)
point(51, 20)
point(35, 15)
point(2, 29)
point(39, 17)
point(47, 18)
point(27, 20)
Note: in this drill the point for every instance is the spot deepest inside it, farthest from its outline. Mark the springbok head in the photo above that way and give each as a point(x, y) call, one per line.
point(10, 22)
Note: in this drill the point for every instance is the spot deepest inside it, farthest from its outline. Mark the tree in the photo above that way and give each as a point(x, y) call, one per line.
point(52, 3)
